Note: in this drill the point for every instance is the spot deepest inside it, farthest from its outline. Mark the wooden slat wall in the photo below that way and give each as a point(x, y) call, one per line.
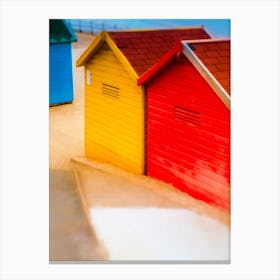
point(194, 158)
point(114, 126)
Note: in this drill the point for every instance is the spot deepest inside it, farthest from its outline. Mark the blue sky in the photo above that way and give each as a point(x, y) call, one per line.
point(215, 27)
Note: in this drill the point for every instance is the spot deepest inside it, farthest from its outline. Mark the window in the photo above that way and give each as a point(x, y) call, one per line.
point(186, 115)
point(111, 91)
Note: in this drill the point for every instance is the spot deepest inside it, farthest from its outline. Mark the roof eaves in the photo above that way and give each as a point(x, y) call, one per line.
point(211, 80)
point(60, 32)
point(94, 46)
point(160, 63)
point(70, 30)
point(82, 60)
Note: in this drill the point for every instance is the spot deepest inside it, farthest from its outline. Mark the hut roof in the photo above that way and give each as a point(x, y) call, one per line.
point(144, 49)
point(212, 60)
point(61, 32)
point(211, 57)
point(215, 55)
point(139, 50)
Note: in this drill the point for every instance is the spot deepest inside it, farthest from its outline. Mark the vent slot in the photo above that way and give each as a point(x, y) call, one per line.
point(186, 115)
point(111, 91)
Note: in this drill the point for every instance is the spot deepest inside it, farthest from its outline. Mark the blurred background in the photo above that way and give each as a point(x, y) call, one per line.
point(215, 27)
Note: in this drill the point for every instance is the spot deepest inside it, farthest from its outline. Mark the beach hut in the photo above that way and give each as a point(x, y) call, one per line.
point(60, 62)
point(114, 102)
point(188, 119)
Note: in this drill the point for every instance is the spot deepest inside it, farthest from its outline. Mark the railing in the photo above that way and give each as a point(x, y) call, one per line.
point(216, 28)
point(90, 26)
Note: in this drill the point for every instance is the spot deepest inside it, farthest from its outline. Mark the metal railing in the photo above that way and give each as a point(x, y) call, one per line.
point(90, 26)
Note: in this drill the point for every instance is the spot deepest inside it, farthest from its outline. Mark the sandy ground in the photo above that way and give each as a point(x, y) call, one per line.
point(67, 121)
point(109, 192)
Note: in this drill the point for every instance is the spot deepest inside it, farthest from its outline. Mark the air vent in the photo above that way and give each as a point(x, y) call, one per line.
point(186, 115)
point(111, 91)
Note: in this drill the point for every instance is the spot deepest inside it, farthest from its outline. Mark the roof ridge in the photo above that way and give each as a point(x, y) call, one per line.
point(158, 29)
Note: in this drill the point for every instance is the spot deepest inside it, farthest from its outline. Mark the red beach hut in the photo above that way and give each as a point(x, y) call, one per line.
point(188, 119)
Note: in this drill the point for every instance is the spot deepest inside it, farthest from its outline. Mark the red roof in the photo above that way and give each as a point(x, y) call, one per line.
point(144, 48)
point(216, 57)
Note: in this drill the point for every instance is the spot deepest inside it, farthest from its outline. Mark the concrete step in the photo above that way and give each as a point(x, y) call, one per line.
point(106, 185)
point(139, 218)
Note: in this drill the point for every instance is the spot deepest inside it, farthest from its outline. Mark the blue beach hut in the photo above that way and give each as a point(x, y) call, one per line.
point(60, 62)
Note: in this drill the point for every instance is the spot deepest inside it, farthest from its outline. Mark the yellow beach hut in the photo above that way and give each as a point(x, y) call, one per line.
point(114, 102)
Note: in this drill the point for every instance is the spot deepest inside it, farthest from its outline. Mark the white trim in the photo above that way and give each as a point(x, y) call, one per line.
point(216, 86)
point(210, 40)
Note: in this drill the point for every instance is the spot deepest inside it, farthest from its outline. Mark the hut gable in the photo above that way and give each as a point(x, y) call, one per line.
point(102, 39)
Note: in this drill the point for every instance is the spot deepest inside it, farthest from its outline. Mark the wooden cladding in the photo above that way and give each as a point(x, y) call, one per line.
point(111, 91)
point(186, 115)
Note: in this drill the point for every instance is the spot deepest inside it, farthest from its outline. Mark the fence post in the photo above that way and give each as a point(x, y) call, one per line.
point(91, 31)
